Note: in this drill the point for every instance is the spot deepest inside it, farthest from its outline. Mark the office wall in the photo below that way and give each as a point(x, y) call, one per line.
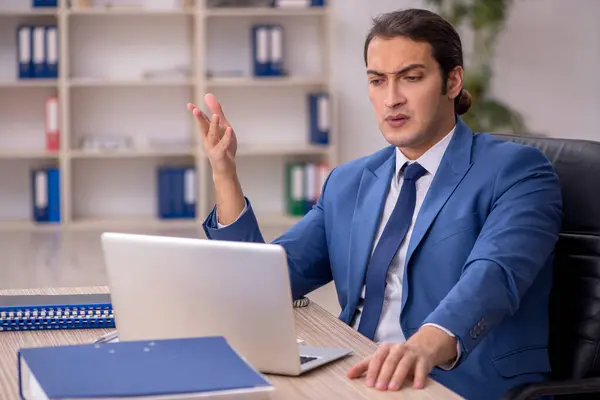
point(547, 65)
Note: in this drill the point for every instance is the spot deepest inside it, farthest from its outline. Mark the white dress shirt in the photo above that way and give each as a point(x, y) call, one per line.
point(388, 329)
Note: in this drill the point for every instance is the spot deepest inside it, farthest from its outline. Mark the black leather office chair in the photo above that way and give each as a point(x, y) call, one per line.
point(575, 300)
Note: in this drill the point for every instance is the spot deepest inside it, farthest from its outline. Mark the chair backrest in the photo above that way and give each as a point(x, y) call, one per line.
point(575, 299)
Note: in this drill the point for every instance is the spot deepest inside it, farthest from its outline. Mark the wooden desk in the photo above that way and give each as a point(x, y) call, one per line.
point(313, 324)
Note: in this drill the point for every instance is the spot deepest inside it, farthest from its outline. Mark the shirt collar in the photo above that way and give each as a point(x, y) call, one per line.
point(430, 160)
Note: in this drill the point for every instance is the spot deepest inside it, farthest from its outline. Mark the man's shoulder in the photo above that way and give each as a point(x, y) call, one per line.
point(497, 151)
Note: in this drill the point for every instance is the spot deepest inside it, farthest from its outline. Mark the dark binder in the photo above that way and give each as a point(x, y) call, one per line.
point(24, 51)
point(47, 312)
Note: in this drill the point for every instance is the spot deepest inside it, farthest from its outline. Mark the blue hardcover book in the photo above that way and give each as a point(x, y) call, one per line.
point(275, 64)
point(39, 195)
point(260, 50)
point(53, 195)
point(49, 312)
point(165, 208)
point(318, 108)
point(25, 51)
point(185, 367)
point(39, 51)
point(51, 48)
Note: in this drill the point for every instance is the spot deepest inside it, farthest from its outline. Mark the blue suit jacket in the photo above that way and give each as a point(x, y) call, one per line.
point(479, 261)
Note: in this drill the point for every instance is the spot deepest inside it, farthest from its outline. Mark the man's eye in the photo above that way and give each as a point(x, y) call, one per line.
point(375, 81)
point(413, 78)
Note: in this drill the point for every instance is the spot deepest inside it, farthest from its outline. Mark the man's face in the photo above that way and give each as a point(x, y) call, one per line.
point(405, 88)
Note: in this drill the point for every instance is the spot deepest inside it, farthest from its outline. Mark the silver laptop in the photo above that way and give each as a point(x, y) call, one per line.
point(165, 287)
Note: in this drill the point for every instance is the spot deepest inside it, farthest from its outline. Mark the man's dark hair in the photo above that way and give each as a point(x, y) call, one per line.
point(425, 26)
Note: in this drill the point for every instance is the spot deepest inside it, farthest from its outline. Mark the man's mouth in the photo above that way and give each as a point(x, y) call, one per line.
point(396, 120)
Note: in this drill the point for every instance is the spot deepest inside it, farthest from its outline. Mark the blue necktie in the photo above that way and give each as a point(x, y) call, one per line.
point(387, 246)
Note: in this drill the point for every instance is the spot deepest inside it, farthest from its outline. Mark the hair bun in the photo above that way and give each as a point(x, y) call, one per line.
point(463, 102)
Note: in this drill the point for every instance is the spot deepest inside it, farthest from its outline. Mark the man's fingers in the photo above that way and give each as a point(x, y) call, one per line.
point(376, 363)
point(358, 369)
point(214, 106)
point(421, 371)
point(405, 366)
point(214, 135)
point(201, 119)
point(226, 140)
point(389, 367)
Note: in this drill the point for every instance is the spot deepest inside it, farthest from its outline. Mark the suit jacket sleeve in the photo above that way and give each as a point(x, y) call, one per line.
point(515, 243)
point(305, 243)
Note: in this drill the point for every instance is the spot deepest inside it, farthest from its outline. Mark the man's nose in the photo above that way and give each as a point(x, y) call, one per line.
point(394, 96)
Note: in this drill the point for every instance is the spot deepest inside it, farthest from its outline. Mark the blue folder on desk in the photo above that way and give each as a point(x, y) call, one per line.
point(138, 369)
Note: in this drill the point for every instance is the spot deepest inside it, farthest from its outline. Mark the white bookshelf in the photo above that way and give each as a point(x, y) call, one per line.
point(102, 91)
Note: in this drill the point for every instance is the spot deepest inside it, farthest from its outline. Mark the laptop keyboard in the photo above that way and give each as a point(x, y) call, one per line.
point(305, 359)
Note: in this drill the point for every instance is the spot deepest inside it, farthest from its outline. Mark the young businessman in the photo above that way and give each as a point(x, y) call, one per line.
point(440, 245)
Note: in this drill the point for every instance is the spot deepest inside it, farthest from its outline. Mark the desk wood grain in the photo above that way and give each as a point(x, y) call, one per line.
point(313, 324)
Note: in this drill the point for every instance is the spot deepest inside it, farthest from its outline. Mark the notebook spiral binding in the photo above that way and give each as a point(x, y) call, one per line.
point(57, 318)
point(88, 316)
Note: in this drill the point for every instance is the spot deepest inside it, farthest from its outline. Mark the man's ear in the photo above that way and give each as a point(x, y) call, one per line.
point(454, 83)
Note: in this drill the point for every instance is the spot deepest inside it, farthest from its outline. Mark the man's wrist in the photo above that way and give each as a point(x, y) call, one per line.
point(225, 178)
point(437, 345)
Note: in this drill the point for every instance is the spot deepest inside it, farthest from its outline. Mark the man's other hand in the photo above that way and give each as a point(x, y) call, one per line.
point(395, 363)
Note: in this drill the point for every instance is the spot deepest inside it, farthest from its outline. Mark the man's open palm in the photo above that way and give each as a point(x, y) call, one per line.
point(218, 137)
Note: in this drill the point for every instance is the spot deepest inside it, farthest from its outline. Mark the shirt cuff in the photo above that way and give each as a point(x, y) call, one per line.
point(219, 225)
point(452, 364)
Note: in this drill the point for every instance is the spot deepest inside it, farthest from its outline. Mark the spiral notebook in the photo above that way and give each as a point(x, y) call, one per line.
point(45, 312)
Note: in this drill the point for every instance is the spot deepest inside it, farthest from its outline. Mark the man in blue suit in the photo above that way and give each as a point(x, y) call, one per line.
point(440, 245)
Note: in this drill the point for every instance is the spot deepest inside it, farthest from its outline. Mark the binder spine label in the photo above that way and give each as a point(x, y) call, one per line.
point(52, 52)
point(52, 129)
point(323, 113)
point(189, 195)
point(297, 181)
point(24, 42)
point(41, 189)
point(262, 42)
point(24, 45)
point(38, 51)
point(276, 44)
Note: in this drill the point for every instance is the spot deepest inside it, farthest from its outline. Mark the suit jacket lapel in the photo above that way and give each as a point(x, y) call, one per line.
point(372, 192)
point(453, 167)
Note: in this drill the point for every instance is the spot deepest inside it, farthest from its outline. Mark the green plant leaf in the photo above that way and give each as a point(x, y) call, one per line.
point(488, 115)
point(486, 18)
